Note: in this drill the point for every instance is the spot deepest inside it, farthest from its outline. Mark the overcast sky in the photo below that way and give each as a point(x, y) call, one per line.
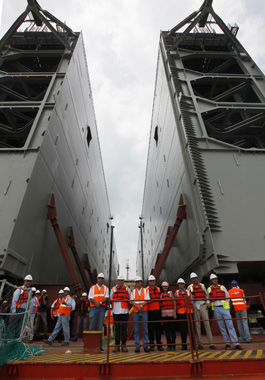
point(121, 38)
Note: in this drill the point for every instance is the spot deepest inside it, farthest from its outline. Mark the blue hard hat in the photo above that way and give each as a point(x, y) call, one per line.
point(233, 282)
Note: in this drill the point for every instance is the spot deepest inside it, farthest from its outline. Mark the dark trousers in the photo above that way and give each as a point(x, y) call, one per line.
point(154, 328)
point(72, 321)
point(183, 326)
point(120, 328)
point(170, 330)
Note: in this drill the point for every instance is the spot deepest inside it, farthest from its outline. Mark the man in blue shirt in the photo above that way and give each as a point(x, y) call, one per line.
point(19, 305)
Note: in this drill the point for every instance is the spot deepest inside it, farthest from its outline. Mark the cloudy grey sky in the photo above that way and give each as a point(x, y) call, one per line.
point(121, 38)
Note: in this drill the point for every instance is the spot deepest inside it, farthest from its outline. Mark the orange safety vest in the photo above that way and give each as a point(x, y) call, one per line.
point(121, 294)
point(56, 306)
point(238, 302)
point(109, 317)
point(36, 304)
point(217, 292)
point(99, 295)
point(184, 302)
point(198, 293)
point(138, 299)
point(167, 303)
point(154, 294)
point(63, 309)
point(23, 297)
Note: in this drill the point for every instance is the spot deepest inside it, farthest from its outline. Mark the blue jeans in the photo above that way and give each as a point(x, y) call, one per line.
point(96, 317)
point(62, 323)
point(242, 324)
point(140, 316)
point(81, 321)
point(220, 312)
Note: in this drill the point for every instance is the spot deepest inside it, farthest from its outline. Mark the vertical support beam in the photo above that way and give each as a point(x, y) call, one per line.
point(71, 245)
point(181, 214)
point(142, 245)
point(88, 268)
point(111, 254)
point(52, 216)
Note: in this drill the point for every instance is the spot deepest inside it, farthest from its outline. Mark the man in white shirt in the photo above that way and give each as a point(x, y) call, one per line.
point(200, 310)
point(121, 295)
point(98, 296)
point(139, 299)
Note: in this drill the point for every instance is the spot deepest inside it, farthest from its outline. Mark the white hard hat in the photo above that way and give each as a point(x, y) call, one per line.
point(120, 278)
point(213, 276)
point(193, 275)
point(138, 278)
point(151, 277)
point(44, 290)
point(61, 291)
point(28, 277)
point(84, 294)
point(181, 281)
point(100, 275)
point(33, 289)
point(38, 291)
point(66, 289)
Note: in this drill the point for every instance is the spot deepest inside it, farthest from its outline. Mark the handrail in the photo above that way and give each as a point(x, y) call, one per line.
point(189, 319)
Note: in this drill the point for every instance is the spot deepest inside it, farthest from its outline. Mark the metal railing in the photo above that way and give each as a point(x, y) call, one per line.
point(190, 324)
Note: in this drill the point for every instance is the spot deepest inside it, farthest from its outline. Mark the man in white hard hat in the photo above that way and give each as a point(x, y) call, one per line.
point(63, 320)
point(121, 295)
point(82, 310)
point(184, 312)
point(221, 311)
point(42, 313)
point(55, 314)
point(98, 296)
point(154, 314)
point(200, 310)
point(139, 299)
point(19, 304)
point(34, 309)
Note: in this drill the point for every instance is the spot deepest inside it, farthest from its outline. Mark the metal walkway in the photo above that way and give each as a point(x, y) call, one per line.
point(145, 357)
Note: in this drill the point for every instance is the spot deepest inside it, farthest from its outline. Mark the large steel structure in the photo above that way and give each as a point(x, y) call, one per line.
point(207, 142)
point(49, 147)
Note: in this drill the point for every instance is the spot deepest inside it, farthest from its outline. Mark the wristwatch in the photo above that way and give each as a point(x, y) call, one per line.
point(100, 302)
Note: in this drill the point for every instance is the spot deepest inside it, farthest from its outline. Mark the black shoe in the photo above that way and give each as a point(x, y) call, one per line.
point(101, 349)
point(46, 341)
point(173, 348)
point(75, 340)
point(212, 347)
point(152, 348)
point(65, 344)
point(168, 348)
point(183, 348)
point(146, 349)
point(227, 347)
point(238, 347)
point(137, 349)
point(160, 348)
point(200, 347)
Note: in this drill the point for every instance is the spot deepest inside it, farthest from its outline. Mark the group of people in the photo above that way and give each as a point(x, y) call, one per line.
point(154, 309)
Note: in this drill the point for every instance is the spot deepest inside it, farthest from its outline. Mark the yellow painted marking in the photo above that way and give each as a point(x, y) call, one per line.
point(212, 356)
point(235, 355)
point(224, 355)
point(247, 354)
point(259, 354)
point(204, 354)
